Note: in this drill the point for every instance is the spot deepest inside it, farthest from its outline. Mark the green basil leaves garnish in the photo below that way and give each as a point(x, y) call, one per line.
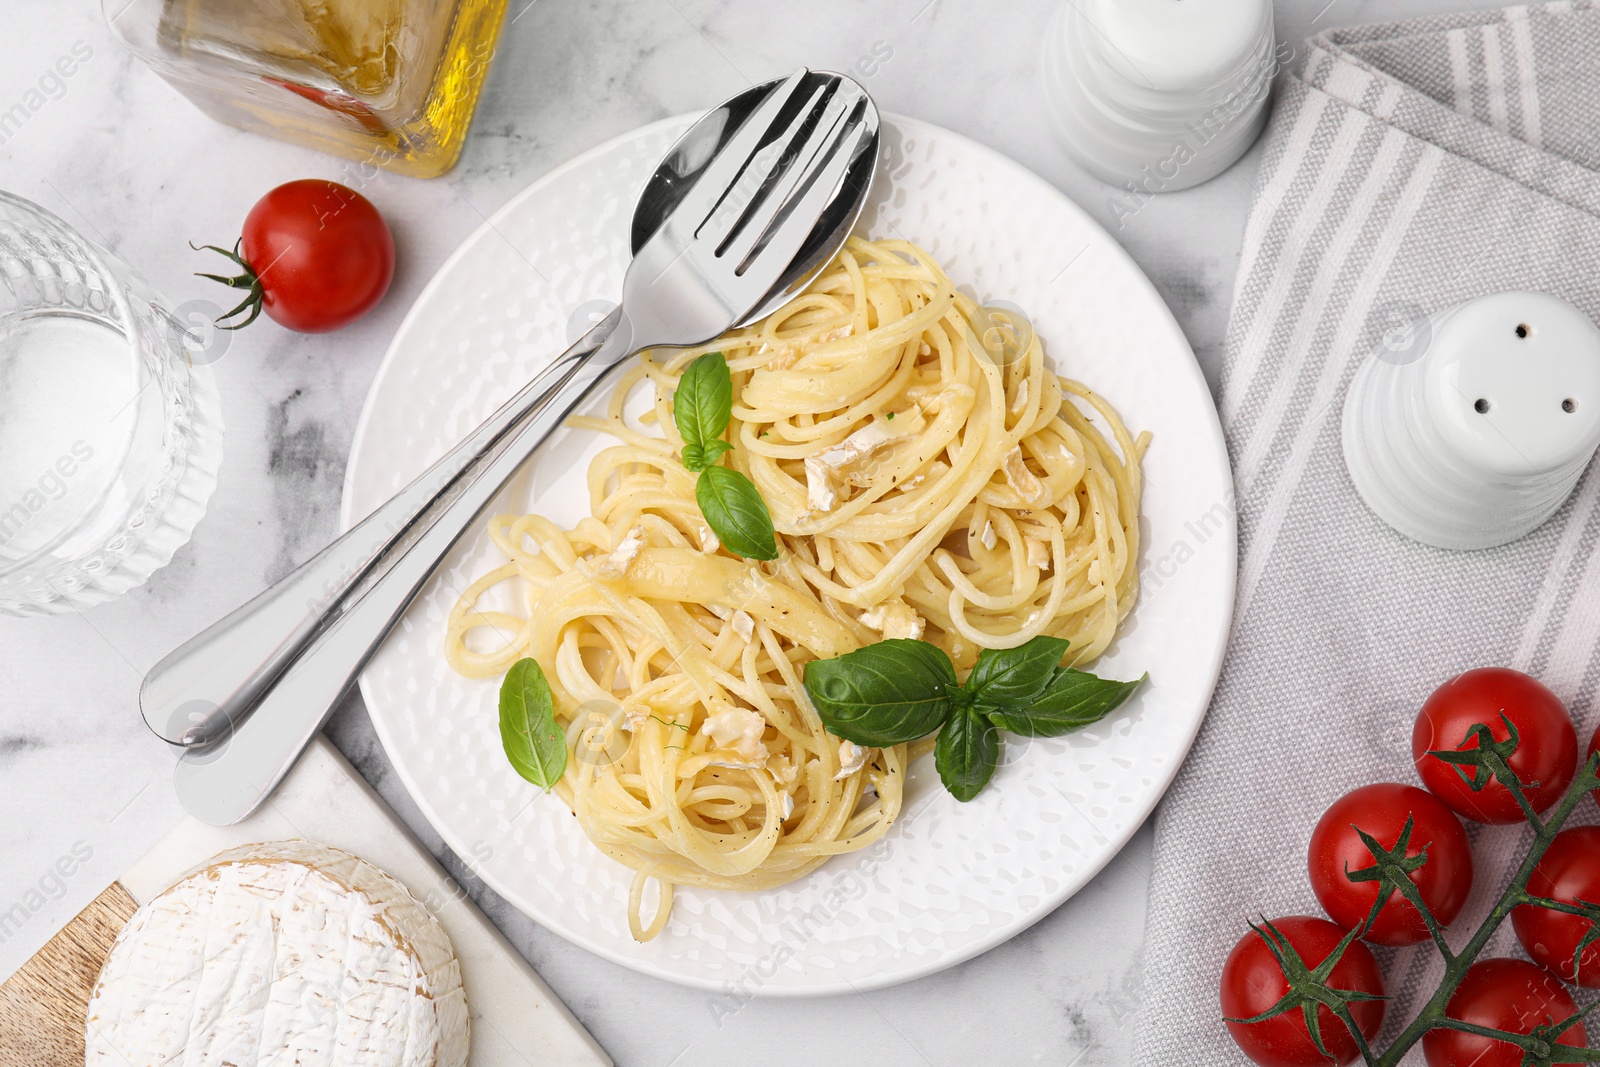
point(1026, 690)
point(697, 458)
point(736, 513)
point(1007, 677)
point(534, 742)
point(1072, 700)
point(900, 690)
point(967, 752)
point(885, 694)
point(702, 407)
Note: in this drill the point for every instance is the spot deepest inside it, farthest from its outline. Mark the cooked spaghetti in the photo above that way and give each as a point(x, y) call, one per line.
point(928, 477)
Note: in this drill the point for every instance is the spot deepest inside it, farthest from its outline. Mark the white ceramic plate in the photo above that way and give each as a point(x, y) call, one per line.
point(952, 879)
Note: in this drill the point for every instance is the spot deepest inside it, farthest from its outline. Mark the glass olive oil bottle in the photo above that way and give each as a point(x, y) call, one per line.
point(392, 83)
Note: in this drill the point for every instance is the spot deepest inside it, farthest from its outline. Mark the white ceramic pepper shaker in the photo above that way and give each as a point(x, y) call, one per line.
point(1474, 436)
point(1158, 95)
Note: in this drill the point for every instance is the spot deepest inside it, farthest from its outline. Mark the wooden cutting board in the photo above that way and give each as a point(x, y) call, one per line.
point(516, 1019)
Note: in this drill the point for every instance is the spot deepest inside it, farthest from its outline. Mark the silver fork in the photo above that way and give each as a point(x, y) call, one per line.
point(247, 695)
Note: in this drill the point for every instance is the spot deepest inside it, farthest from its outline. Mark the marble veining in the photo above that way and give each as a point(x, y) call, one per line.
point(13, 746)
point(122, 156)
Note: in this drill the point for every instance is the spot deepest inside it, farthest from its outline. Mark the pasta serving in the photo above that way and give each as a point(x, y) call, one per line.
point(926, 478)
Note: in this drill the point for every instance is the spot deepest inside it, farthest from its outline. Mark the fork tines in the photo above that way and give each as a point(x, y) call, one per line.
point(775, 158)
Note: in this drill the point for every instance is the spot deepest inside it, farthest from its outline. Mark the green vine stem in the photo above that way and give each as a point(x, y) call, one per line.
point(1541, 1042)
point(1391, 869)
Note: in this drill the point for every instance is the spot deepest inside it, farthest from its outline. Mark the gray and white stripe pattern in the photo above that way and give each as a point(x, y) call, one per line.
point(1409, 167)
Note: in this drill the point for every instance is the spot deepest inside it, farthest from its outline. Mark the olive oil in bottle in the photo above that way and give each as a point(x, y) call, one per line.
point(392, 83)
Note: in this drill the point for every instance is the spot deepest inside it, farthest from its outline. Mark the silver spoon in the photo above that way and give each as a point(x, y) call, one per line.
point(747, 207)
point(197, 694)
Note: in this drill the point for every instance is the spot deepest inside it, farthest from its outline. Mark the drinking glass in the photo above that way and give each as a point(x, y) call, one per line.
point(110, 435)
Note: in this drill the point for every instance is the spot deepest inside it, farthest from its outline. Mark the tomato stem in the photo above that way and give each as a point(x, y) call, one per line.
point(1490, 760)
point(1391, 869)
point(246, 279)
point(1343, 1012)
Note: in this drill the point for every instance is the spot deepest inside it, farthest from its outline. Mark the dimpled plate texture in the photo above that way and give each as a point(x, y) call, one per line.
point(951, 880)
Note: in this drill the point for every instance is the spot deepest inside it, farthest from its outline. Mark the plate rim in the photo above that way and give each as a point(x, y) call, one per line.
point(1212, 656)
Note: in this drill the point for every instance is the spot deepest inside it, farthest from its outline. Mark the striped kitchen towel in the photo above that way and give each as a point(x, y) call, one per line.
point(1409, 167)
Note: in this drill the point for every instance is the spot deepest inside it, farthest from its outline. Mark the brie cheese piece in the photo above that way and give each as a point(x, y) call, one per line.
point(851, 759)
point(894, 618)
point(738, 730)
point(281, 953)
point(835, 465)
point(615, 565)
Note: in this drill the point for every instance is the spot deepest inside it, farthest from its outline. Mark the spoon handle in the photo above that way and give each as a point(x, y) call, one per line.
point(201, 692)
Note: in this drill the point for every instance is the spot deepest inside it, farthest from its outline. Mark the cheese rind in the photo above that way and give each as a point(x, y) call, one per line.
point(282, 953)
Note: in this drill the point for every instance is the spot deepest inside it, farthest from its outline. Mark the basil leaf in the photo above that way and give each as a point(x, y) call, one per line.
point(1074, 699)
point(1015, 677)
point(967, 753)
point(703, 403)
point(885, 694)
point(736, 513)
point(533, 741)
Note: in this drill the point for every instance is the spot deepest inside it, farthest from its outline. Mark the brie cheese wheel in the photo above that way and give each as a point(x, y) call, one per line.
point(282, 953)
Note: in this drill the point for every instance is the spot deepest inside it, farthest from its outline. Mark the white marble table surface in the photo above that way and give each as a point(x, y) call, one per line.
point(120, 155)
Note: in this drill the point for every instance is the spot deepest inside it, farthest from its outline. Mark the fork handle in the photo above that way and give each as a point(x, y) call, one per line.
point(225, 783)
point(202, 692)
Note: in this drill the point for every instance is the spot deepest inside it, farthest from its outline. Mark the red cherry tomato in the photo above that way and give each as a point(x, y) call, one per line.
point(1381, 810)
point(1252, 982)
point(315, 256)
point(1569, 872)
point(1504, 994)
point(1547, 745)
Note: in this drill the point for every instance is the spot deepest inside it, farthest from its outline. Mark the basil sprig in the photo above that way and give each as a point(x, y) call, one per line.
point(534, 742)
point(896, 691)
point(702, 407)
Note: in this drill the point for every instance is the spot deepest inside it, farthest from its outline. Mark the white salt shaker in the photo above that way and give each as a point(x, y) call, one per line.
point(1158, 95)
point(1476, 435)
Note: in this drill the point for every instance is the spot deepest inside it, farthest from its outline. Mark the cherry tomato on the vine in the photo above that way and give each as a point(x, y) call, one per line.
point(1503, 994)
point(314, 255)
point(1547, 745)
point(1336, 851)
point(1569, 872)
point(1252, 982)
